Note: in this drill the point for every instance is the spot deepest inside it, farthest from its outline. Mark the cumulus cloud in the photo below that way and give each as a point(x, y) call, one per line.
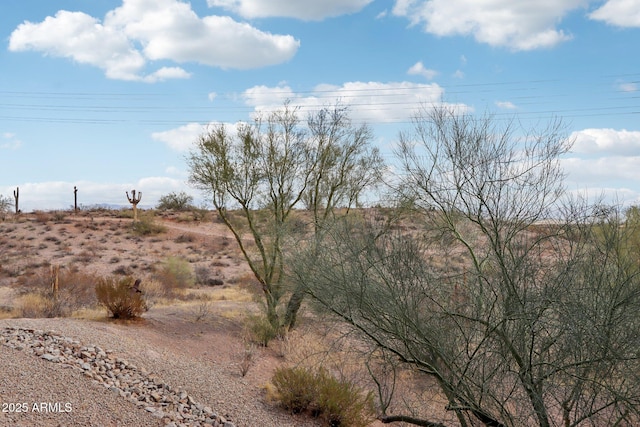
point(610, 141)
point(373, 102)
point(307, 10)
point(418, 69)
point(601, 156)
point(506, 105)
point(166, 73)
point(596, 170)
point(182, 138)
point(141, 31)
point(518, 25)
point(620, 13)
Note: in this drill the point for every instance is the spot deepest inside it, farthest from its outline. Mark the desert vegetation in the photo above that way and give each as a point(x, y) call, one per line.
point(473, 291)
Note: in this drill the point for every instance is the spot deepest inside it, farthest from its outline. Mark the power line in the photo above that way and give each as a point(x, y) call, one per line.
point(369, 103)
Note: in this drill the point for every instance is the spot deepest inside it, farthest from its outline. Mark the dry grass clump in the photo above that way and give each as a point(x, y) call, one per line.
point(75, 291)
point(120, 298)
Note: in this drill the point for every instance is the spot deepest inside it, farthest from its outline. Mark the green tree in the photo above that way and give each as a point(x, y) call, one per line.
point(175, 201)
point(536, 325)
point(258, 175)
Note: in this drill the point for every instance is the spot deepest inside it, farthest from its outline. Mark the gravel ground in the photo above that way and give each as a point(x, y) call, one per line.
point(202, 366)
point(28, 382)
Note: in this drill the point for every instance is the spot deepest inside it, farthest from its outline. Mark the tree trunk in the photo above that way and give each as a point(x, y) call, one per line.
point(293, 306)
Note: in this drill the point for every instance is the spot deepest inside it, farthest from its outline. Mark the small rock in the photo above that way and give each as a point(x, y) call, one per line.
point(50, 357)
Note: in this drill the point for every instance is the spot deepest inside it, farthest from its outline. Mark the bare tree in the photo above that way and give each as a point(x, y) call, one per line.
point(267, 168)
point(536, 325)
point(5, 206)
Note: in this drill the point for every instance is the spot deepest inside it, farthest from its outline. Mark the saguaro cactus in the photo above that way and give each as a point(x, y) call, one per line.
point(75, 199)
point(134, 200)
point(16, 194)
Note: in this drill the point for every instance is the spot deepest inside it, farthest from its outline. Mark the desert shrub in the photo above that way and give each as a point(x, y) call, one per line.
point(42, 217)
point(199, 214)
point(175, 201)
point(175, 273)
point(295, 388)
point(75, 292)
point(59, 216)
point(185, 238)
point(121, 270)
point(338, 402)
point(5, 206)
point(146, 226)
point(260, 330)
point(119, 297)
point(38, 305)
point(125, 213)
point(202, 275)
point(342, 403)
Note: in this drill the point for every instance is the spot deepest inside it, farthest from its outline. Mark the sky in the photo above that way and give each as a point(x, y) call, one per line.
point(109, 95)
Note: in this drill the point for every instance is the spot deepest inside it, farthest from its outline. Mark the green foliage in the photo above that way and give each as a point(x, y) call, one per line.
point(175, 273)
point(338, 402)
point(146, 226)
point(260, 330)
point(324, 164)
point(175, 201)
point(119, 297)
point(295, 388)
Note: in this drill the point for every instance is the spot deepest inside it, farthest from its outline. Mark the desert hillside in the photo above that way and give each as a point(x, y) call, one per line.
point(192, 340)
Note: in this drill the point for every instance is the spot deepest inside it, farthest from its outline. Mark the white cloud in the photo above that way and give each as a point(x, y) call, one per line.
point(9, 141)
point(628, 87)
point(418, 69)
point(506, 105)
point(590, 172)
point(141, 31)
point(80, 37)
point(182, 138)
point(166, 73)
point(604, 162)
point(211, 96)
point(373, 102)
point(308, 10)
point(610, 141)
point(459, 74)
point(620, 13)
point(609, 195)
point(519, 25)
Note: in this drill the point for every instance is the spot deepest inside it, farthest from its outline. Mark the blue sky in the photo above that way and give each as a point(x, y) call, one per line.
point(108, 95)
